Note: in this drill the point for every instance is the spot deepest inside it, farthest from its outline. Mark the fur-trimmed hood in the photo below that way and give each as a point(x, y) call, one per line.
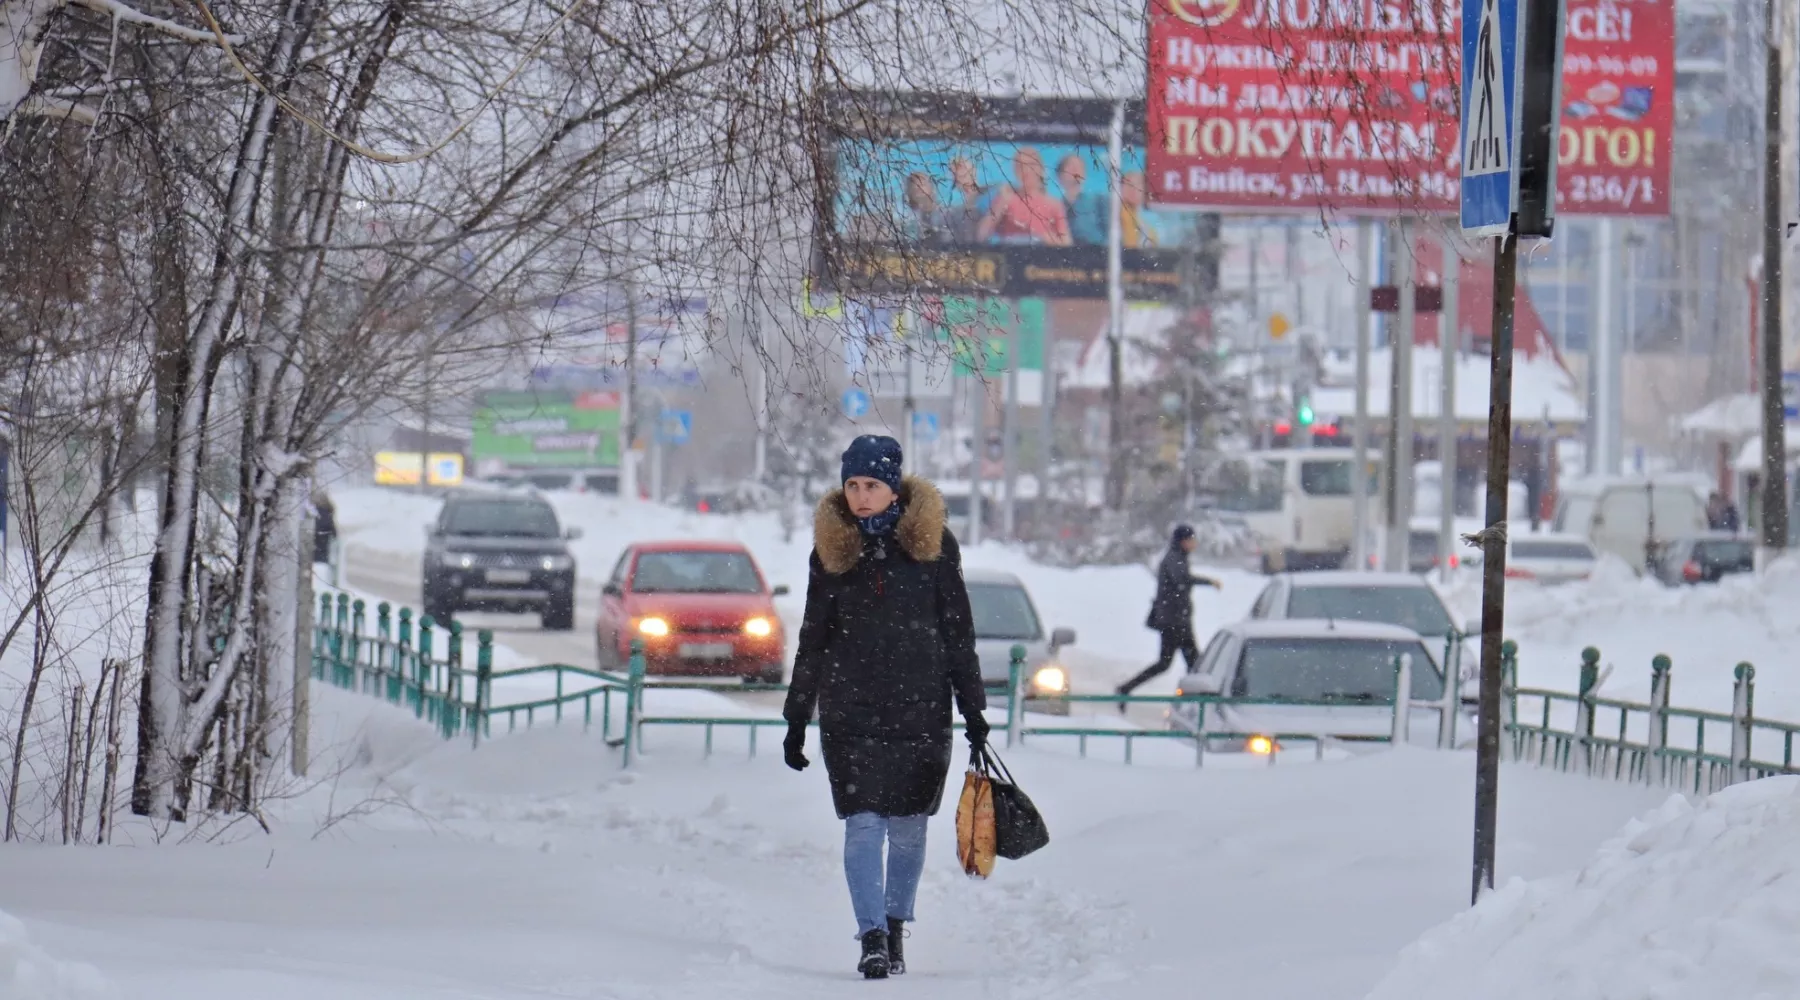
point(838, 540)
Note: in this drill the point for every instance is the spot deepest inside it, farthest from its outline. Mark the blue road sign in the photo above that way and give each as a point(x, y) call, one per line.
point(1790, 395)
point(924, 427)
point(856, 402)
point(1490, 115)
point(675, 426)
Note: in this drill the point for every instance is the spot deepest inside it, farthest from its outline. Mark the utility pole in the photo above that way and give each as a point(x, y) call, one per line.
point(1602, 354)
point(1449, 344)
point(1508, 192)
point(908, 405)
point(628, 488)
point(1359, 487)
point(1117, 467)
point(1774, 427)
point(1009, 436)
point(1398, 479)
point(978, 390)
point(425, 424)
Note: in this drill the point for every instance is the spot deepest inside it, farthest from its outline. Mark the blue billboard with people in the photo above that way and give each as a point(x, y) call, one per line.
point(1010, 197)
point(996, 193)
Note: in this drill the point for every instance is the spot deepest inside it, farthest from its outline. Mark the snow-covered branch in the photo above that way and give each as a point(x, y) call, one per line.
point(24, 28)
point(127, 14)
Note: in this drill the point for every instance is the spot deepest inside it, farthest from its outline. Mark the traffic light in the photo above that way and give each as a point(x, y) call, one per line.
point(1303, 411)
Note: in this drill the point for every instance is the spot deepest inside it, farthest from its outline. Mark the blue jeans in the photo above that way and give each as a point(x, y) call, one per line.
point(876, 899)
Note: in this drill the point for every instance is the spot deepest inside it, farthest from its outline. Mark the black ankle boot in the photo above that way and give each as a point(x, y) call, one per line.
point(874, 963)
point(896, 953)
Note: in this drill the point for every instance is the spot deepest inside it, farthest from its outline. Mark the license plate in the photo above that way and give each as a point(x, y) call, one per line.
point(706, 650)
point(509, 576)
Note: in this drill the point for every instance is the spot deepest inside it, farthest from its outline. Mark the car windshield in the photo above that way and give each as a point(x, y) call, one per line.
point(1002, 611)
point(1327, 478)
point(512, 519)
point(1540, 549)
point(695, 573)
point(1413, 607)
point(1324, 669)
point(1249, 487)
point(1724, 554)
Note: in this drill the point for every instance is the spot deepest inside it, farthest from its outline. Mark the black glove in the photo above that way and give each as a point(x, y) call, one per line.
point(792, 746)
point(976, 730)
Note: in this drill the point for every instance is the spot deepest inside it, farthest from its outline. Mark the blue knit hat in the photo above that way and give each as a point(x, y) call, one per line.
point(874, 455)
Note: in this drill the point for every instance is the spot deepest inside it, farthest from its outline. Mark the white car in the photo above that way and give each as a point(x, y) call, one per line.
point(1005, 616)
point(1549, 558)
point(1341, 675)
point(1401, 599)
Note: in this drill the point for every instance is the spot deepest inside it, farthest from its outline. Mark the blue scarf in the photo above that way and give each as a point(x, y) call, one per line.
point(882, 523)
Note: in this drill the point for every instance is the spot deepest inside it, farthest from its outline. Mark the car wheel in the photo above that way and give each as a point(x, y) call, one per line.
point(774, 673)
point(438, 607)
point(558, 615)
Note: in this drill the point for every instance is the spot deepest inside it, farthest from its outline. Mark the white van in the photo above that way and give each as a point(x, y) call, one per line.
point(1297, 502)
point(1632, 517)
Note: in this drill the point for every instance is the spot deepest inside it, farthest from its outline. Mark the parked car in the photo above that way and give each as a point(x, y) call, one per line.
point(1004, 616)
point(1633, 518)
point(1399, 599)
point(1705, 558)
point(1340, 674)
point(491, 551)
point(703, 609)
point(1549, 558)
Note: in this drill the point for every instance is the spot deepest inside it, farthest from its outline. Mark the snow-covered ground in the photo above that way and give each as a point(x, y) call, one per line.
point(1694, 902)
point(535, 867)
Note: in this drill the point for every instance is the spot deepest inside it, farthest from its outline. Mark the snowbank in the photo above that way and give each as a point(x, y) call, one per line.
point(1706, 630)
point(26, 973)
point(1689, 902)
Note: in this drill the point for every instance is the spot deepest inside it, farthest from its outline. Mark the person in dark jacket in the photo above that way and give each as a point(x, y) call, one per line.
point(324, 527)
point(886, 647)
point(1172, 609)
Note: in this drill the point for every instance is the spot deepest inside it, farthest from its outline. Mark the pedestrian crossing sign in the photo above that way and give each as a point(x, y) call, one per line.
point(1490, 115)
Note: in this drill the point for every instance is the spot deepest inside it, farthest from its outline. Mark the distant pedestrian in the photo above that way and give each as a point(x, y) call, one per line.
point(324, 527)
point(1172, 609)
point(886, 646)
point(1721, 514)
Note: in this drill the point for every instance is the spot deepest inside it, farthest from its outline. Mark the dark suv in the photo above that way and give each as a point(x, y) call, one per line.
point(500, 552)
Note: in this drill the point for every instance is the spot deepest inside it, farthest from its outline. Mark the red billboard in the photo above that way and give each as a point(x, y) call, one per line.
point(1351, 106)
point(1290, 105)
point(1618, 113)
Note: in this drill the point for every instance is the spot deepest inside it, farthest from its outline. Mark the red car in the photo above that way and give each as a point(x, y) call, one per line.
point(702, 608)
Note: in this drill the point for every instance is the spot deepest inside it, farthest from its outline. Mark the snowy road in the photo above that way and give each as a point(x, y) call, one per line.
point(535, 868)
point(395, 577)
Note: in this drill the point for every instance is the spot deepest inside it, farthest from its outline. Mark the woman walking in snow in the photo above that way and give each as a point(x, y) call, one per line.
point(886, 645)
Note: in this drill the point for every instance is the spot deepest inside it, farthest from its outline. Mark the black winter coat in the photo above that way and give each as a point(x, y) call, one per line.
point(1172, 609)
point(886, 645)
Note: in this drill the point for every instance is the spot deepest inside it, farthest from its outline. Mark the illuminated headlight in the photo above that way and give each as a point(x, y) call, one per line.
point(557, 563)
point(461, 560)
point(759, 627)
point(1260, 745)
point(1050, 680)
point(653, 626)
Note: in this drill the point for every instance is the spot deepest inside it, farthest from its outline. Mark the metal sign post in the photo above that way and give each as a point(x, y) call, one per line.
point(1511, 87)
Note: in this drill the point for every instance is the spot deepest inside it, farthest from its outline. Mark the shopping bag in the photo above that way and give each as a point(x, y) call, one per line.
point(975, 823)
point(1019, 828)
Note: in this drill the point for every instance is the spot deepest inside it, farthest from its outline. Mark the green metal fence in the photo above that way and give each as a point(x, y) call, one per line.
point(1652, 742)
point(418, 665)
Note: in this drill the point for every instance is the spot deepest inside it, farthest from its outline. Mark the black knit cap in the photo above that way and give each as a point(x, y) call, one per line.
point(874, 455)
point(1183, 532)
